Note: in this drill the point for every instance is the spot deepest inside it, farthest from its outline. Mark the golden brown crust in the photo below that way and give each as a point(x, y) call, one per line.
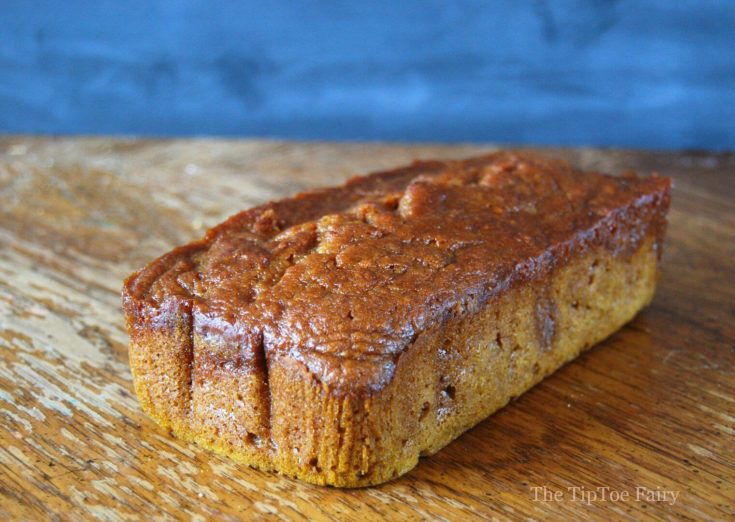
point(290, 335)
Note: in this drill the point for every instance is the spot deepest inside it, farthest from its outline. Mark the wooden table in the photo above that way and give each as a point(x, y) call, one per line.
point(653, 407)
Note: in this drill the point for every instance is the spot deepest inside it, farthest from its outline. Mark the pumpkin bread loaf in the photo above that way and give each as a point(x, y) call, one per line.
point(339, 335)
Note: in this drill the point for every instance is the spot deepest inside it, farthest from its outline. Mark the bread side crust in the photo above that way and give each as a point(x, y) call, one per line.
point(452, 376)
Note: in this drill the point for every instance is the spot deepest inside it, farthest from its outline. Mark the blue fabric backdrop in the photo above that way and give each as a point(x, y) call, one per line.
point(648, 73)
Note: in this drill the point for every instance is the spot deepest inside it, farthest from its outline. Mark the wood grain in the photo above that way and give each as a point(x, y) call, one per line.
point(652, 407)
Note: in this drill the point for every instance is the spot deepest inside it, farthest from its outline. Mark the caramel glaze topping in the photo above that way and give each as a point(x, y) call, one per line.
point(344, 279)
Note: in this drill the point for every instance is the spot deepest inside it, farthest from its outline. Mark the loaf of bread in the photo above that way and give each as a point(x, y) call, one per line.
point(339, 335)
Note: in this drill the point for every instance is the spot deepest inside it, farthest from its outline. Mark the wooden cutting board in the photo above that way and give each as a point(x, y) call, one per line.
point(648, 414)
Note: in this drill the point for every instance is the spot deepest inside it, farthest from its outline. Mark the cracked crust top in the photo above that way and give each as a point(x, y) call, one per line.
point(343, 279)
